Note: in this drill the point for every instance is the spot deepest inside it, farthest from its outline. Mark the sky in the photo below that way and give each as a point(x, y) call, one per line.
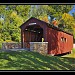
point(72, 11)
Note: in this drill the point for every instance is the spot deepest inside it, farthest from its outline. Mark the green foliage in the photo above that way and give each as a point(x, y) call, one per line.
point(1, 43)
point(55, 10)
point(23, 11)
point(74, 33)
point(68, 22)
point(11, 17)
point(6, 36)
point(60, 9)
point(16, 37)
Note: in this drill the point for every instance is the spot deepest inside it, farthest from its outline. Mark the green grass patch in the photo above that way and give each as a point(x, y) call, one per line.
point(71, 58)
point(25, 60)
point(72, 55)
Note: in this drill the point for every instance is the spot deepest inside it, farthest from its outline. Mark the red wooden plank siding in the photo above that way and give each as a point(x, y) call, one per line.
point(51, 35)
point(52, 41)
point(49, 40)
point(55, 45)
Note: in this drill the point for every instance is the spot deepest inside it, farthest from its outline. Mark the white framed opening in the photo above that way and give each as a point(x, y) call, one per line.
point(63, 39)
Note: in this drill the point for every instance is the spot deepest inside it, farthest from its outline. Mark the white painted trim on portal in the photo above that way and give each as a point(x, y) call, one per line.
point(32, 23)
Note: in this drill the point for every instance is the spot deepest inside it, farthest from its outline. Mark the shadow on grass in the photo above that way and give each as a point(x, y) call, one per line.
point(26, 60)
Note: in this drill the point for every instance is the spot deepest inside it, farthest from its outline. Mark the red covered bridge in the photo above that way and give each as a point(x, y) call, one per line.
point(33, 30)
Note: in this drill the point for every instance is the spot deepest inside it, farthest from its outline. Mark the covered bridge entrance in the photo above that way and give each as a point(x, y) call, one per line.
point(33, 31)
point(32, 34)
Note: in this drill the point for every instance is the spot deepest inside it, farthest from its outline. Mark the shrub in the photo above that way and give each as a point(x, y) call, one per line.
point(1, 43)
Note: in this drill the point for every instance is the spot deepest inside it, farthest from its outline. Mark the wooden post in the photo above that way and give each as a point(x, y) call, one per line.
point(23, 39)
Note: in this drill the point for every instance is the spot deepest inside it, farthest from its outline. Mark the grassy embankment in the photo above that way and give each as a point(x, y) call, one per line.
point(25, 60)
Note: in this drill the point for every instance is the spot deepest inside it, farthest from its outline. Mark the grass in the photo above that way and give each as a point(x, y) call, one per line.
point(72, 55)
point(25, 60)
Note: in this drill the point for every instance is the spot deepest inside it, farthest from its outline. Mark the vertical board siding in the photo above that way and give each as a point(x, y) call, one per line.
point(55, 45)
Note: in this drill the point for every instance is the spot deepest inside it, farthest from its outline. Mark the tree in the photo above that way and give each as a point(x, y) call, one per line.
point(51, 10)
point(11, 17)
point(23, 11)
point(68, 21)
point(60, 9)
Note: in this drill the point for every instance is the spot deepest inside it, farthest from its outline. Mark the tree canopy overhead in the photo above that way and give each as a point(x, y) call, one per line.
point(12, 16)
